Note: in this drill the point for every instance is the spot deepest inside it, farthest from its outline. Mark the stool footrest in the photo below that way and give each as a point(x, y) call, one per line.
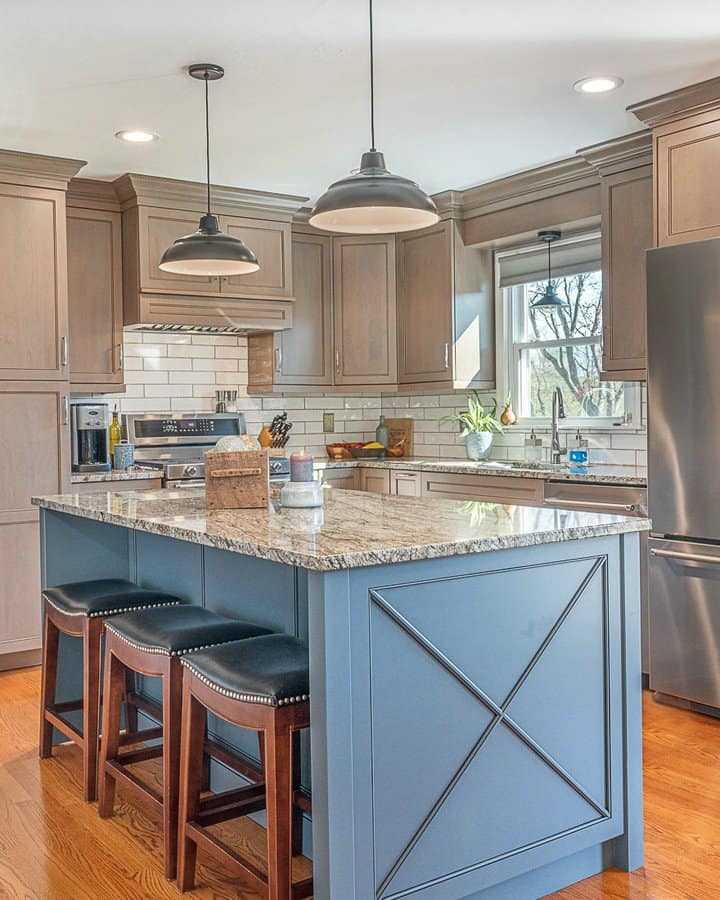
point(131, 757)
point(141, 791)
point(302, 889)
point(66, 706)
point(235, 759)
point(66, 727)
point(139, 737)
point(231, 804)
point(146, 705)
point(218, 850)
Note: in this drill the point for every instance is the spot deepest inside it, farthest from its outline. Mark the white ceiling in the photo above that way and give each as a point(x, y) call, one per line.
point(466, 90)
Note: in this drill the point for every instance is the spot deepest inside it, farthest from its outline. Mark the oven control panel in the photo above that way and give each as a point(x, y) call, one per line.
point(183, 429)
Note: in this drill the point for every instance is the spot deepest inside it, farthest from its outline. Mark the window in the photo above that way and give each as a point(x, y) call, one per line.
point(549, 347)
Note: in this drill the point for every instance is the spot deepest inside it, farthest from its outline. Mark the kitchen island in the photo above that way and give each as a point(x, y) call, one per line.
point(475, 673)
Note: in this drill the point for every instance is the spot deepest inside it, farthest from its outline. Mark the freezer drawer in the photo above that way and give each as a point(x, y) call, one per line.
point(684, 612)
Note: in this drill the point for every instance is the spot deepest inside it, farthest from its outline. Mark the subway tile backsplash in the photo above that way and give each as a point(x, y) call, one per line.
point(181, 373)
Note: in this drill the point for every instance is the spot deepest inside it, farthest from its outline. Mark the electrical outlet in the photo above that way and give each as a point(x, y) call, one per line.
point(328, 422)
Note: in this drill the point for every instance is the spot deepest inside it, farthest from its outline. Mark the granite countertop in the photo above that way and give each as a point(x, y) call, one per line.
point(592, 474)
point(132, 474)
point(353, 529)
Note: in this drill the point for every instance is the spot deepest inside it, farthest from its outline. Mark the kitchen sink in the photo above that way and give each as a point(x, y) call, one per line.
point(524, 464)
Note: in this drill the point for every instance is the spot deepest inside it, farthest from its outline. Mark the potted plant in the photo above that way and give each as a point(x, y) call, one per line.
point(477, 426)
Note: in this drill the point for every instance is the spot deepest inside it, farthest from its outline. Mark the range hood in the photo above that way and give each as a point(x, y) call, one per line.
point(207, 315)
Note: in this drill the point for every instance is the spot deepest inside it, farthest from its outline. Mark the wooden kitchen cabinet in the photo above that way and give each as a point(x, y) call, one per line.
point(33, 283)
point(94, 287)
point(627, 203)
point(492, 488)
point(445, 310)
point(364, 301)
point(346, 478)
point(376, 481)
point(35, 450)
point(303, 355)
point(271, 244)
point(405, 484)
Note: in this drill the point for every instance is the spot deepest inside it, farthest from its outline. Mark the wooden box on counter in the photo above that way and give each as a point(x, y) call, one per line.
point(237, 480)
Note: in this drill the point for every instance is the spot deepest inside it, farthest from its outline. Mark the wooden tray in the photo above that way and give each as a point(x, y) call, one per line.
point(239, 480)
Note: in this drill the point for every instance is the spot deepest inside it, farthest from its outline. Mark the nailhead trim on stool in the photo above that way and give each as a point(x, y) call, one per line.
point(163, 651)
point(110, 612)
point(246, 698)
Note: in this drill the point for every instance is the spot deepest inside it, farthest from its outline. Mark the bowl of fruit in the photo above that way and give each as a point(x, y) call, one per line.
point(373, 450)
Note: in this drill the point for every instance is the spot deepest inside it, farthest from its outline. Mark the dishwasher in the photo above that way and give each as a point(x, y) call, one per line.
point(615, 499)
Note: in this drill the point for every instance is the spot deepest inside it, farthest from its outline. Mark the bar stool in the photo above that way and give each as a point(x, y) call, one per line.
point(80, 609)
point(152, 643)
point(261, 684)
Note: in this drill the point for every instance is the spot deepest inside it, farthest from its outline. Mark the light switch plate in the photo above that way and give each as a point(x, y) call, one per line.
point(328, 422)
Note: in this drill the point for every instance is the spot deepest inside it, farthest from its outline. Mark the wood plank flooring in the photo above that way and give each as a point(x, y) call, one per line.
point(53, 846)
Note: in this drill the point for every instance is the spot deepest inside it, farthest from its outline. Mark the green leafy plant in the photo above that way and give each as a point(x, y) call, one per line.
point(476, 418)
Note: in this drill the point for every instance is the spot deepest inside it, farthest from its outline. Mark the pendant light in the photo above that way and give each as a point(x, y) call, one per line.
point(208, 251)
point(550, 297)
point(373, 200)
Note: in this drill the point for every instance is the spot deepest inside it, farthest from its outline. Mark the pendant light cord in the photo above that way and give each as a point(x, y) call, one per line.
point(548, 243)
point(207, 139)
point(372, 82)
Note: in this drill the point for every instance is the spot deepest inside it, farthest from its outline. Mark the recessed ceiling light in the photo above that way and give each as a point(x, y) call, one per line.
point(598, 84)
point(134, 136)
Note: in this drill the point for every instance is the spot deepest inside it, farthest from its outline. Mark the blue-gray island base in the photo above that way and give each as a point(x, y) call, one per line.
point(475, 673)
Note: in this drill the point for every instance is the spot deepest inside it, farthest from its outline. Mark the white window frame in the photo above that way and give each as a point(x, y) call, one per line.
point(508, 302)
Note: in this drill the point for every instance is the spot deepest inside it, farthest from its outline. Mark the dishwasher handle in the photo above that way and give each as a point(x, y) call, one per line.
point(600, 506)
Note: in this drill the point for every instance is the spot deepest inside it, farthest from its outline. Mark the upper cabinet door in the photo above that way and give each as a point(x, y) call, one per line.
point(365, 309)
point(157, 229)
point(425, 305)
point(688, 160)
point(627, 205)
point(304, 352)
point(33, 284)
point(95, 297)
point(270, 242)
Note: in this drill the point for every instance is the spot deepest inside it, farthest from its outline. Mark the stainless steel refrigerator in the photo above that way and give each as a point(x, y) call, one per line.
point(683, 333)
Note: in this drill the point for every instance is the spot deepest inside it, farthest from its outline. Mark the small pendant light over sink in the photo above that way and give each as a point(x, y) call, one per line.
point(549, 297)
point(208, 251)
point(373, 200)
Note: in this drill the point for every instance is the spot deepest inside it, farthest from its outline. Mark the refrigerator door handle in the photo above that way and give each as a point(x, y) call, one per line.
point(686, 557)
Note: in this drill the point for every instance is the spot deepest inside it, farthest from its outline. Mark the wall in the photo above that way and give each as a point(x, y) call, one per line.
point(181, 373)
point(620, 445)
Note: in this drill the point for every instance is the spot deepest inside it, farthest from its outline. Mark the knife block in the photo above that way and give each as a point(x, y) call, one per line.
point(239, 480)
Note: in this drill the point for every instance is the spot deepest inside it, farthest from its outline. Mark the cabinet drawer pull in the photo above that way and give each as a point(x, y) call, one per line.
point(66, 410)
point(278, 360)
point(121, 355)
point(687, 557)
point(447, 355)
point(64, 351)
point(337, 359)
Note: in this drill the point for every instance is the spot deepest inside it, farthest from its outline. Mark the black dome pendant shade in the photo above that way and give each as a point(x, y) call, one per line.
point(550, 297)
point(208, 251)
point(373, 200)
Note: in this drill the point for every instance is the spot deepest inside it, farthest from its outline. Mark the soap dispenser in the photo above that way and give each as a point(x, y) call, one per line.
point(533, 447)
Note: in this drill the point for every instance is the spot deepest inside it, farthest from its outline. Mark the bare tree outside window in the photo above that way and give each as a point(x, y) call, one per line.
point(561, 346)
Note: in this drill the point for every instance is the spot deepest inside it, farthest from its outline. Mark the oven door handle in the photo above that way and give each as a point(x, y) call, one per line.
point(172, 485)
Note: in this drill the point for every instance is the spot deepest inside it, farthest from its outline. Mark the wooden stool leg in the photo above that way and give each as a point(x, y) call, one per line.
point(92, 636)
point(278, 780)
point(191, 776)
point(51, 639)
point(113, 687)
point(172, 706)
point(131, 717)
point(297, 823)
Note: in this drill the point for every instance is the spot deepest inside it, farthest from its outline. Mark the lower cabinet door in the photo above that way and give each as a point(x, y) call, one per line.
point(405, 484)
point(376, 481)
point(20, 585)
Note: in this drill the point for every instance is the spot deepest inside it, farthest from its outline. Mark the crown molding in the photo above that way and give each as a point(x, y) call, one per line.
point(37, 170)
point(563, 176)
point(630, 151)
point(147, 190)
point(92, 193)
point(687, 101)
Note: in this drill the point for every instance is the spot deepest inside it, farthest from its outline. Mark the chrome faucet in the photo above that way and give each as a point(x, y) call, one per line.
point(558, 412)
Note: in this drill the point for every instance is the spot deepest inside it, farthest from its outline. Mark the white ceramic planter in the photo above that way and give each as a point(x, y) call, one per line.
point(478, 444)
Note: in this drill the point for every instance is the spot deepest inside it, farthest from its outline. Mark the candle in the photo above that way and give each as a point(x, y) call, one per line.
point(301, 466)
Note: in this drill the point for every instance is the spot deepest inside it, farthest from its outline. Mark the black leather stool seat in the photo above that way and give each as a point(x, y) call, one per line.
point(272, 670)
point(179, 630)
point(105, 597)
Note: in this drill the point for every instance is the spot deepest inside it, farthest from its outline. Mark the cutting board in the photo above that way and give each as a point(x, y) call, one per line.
point(399, 429)
point(239, 480)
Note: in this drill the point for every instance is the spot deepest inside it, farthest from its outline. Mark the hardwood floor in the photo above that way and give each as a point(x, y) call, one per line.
point(53, 846)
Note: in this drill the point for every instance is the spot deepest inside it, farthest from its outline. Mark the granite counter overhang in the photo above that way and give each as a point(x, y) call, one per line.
point(352, 530)
point(135, 473)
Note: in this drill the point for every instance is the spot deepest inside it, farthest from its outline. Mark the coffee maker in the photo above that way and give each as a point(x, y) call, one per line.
point(90, 442)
